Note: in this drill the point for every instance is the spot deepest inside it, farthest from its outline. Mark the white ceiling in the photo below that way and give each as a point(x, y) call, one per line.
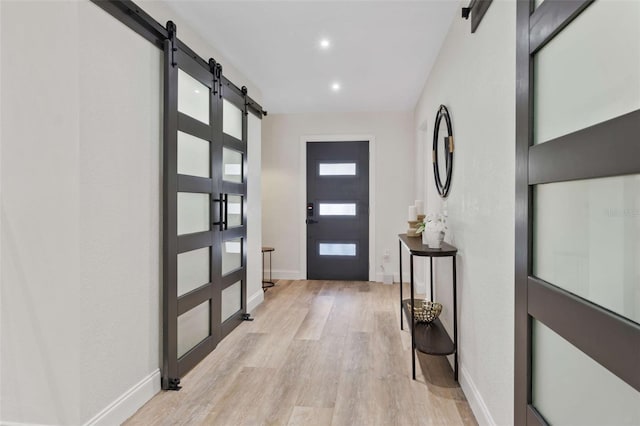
point(381, 51)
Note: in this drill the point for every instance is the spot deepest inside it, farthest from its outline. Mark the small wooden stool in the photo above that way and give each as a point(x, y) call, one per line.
point(267, 284)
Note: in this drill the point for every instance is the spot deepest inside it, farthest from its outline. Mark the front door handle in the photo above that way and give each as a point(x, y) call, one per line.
point(310, 221)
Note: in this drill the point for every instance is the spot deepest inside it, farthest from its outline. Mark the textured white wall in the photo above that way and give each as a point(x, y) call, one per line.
point(281, 183)
point(40, 214)
point(474, 76)
point(80, 212)
point(120, 144)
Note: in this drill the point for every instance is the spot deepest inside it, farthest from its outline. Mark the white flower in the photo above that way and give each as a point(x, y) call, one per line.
point(433, 223)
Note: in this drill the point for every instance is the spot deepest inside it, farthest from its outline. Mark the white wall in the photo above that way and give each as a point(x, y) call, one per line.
point(283, 208)
point(40, 214)
point(474, 76)
point(119, 147)
point(80, 214)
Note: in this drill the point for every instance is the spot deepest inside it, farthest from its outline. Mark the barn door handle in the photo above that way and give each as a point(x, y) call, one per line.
point(222, 210)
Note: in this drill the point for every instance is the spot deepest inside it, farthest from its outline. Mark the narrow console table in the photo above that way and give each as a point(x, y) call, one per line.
point(431, 338)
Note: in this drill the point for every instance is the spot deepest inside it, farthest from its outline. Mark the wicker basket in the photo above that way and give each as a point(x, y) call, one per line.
point(426, 311)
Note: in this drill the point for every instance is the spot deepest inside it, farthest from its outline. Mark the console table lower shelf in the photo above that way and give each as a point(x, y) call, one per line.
point(430, 338)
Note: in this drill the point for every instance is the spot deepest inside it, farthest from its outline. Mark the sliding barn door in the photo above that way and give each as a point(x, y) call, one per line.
point(578, 213)
point(204, 233)
point(231, 162)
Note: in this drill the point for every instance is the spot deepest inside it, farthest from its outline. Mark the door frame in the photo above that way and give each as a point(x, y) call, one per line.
point(302, 196)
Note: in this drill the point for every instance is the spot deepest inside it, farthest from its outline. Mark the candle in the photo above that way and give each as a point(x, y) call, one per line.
point(412, 213)
point(419, 207)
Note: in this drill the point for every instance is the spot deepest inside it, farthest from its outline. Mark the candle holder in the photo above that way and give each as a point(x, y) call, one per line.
point(413, 228)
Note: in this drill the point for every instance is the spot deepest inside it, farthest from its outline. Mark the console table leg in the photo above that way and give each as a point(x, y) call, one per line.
point(431, 279)
point(455, 320)
point(400, 261)
point(413, 322)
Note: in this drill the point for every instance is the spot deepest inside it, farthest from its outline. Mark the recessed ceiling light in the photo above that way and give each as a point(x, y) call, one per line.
point(197, 91)
point(325, 43)
point(335, 87)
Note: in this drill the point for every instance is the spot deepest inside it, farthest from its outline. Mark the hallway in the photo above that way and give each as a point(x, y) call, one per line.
point(318, 352)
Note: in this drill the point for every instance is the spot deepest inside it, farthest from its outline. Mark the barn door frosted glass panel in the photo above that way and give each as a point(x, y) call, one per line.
point(193, 212)
point(231, 255)
point(234, 211)
point(193, 270)
point(589, 72)
point(231, 300)
point(586, 240)
point(193, 97)
point(232, 165)
point(570, 388)
point(231, 119)
point(193, 156)
point(193, 327)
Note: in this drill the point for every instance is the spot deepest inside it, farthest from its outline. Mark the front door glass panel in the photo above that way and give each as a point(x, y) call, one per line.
point(337, 249)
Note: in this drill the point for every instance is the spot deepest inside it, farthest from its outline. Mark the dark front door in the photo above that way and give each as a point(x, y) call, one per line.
point(338, 210)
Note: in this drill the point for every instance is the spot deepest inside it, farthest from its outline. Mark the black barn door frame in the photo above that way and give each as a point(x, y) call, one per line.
point(606, 149)
point(174, 49)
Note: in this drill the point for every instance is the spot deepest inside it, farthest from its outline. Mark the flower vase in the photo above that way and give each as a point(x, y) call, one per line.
point(433, 238)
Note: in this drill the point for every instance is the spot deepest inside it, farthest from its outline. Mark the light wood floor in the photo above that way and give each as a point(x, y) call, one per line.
point(318, 353)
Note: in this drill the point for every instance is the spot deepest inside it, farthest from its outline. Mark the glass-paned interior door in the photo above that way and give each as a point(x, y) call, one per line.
point(192, 208)
point(204, 211)
point(233, 183)
point(578, 213)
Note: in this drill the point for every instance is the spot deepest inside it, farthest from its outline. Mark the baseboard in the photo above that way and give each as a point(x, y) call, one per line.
point(284, 274)
point(479, 408)
point(129, 402)
point(255, 300)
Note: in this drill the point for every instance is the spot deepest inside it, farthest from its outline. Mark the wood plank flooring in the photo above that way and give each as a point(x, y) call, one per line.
point(318, 353)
